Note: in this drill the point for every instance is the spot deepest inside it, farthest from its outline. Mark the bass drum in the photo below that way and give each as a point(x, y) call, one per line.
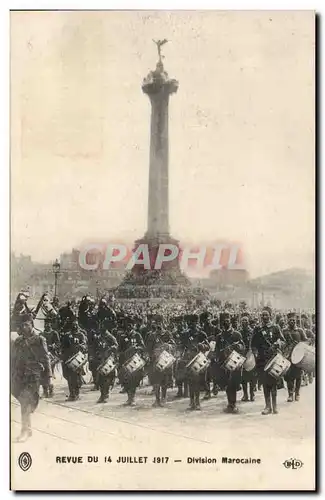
point(303, 356)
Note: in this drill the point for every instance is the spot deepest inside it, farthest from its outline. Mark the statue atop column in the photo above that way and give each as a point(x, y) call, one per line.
point(158, 77)
point(159, 44)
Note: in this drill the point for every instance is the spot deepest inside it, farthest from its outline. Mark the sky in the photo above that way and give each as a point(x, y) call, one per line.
point(241, 131)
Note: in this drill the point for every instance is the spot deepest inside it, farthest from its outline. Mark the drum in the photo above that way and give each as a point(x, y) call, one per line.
point(198, 364)
point(278, 366)
point(76, 361)
point(249, 363)
point(303, 356)
point(164, 361)
point(107, 366)
point(234, 361)
point(134, 364)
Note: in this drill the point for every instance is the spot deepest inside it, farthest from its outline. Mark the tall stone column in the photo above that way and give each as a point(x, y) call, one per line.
point(158, 87)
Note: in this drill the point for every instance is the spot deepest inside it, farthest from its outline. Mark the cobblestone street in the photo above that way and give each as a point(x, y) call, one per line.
point(86, 428)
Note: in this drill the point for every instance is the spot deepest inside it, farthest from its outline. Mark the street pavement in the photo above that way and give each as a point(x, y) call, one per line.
point(85, 428)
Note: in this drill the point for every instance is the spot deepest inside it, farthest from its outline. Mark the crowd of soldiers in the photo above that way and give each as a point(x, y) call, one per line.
point(108, 329)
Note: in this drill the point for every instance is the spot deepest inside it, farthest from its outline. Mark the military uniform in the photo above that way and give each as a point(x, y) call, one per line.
point(92, 360)
point(180, 364)
point(105, 345)
point(195, 342)
point(227, 341)
point(30, 362)
point(67, 317)
point(53, 344)
point(107, 318)
point(129, 344)
point(71, 343)
point(156, 343)
point(292, 335)
point(267, 338)
point(249, 378)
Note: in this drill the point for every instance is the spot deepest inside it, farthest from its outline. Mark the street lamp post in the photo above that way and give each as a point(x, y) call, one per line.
point(56, 269)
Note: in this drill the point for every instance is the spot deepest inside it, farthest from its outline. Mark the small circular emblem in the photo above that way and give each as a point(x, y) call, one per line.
point(293, 463)
point(25, 461)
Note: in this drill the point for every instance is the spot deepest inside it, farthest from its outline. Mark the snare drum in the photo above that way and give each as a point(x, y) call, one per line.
point(198, 364)
point(134, 364)
point(165, 360)
point(234, 361)
point(76, 361)
point(303, 356)
point(278, 366)
point(107, 366)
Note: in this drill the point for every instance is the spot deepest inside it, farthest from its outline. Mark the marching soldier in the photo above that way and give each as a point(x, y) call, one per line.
point(87, 320)
point(53, 344)
point(293, 335)
point(67, 317)
point(130, 343)
point(249, 377)
point(309, 331)
point(106, 346)
point(30, 362)
point(157, 341)
point(158, 337)
point(72, 342)
point(180, 365)
point(267, 339)
point(227, 341)
point(106, 315)
point(195, 342)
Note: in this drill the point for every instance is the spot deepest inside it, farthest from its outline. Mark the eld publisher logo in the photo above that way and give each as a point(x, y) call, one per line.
point(293, 463)
point(25, 461)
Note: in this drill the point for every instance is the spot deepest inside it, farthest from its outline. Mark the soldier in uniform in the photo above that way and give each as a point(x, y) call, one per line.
point(227, 341)
point(267, 339)
point(88, 321)
point(30, 362)
point(157, 341)
point(106, 315)
point(72, 342)
point(105, 345)
point(67, 317)
point(292, 335)
point(130, 343)
point(180, 365)
point(305, 325)
point(249, 377)
point(53, 344)
point(309, 331)
point(195, 342)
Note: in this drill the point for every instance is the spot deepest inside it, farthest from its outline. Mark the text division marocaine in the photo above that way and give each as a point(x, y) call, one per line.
point(154, 459)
